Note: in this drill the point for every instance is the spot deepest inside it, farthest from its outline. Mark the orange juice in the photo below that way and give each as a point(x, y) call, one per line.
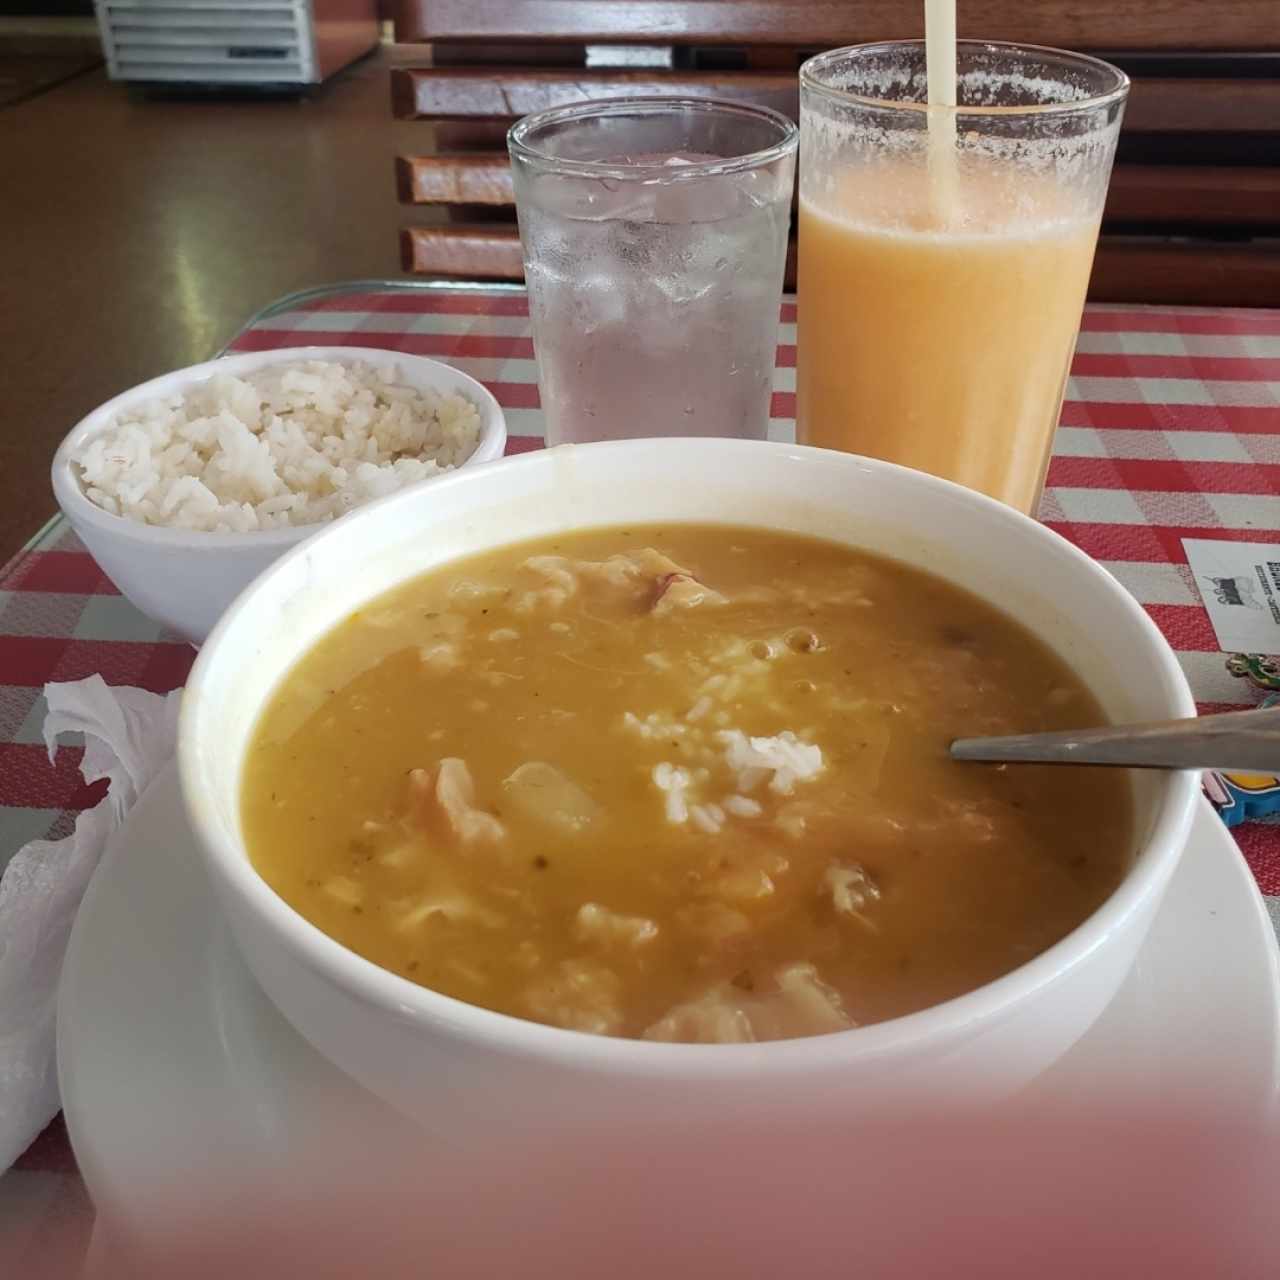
point(941, 343)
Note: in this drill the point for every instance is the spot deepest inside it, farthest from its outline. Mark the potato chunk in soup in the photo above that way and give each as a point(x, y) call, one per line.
point(685, 783)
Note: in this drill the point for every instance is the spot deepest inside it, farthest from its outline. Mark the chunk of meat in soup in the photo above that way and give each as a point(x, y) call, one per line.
point(801, 1005)
point(449, 793)
point(683, 591)
point(579, 995)
point(669, 586)
point(598, 924)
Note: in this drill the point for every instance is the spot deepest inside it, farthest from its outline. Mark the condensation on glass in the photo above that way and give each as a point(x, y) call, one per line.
point(655, 234)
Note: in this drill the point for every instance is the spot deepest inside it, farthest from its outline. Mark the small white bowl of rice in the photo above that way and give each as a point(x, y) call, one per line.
point(186, 487)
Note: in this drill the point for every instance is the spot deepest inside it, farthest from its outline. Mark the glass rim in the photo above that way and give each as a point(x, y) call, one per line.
point(1119, 89)
point(520, 147)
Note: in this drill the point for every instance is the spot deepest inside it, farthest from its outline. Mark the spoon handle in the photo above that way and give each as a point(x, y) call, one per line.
point(1234, 740)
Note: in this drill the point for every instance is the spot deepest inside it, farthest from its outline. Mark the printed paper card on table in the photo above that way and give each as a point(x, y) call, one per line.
point(1240, 585)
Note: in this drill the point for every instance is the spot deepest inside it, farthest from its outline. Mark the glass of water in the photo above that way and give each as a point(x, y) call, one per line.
point(655, 238)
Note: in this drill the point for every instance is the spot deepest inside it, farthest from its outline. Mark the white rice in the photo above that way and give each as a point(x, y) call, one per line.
point(708, 818)
point(673, 782)
point(292, 444)
point(785, 756)
point(782, 761)
point(742, 806)
point(698, 710)
point(653, 726)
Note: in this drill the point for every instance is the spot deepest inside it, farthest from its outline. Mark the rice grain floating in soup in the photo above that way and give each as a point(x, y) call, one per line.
point(685, 783)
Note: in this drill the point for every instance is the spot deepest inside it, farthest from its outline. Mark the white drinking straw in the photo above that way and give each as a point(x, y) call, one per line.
point(940, 62)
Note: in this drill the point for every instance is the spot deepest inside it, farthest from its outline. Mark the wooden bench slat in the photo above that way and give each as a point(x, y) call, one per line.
point(1195, 195)
point(1071, 24)
point(1204, 196)
point(1187, 274)
point(506, 93)
point(1196, 105)
point(473, 177)
point(486, 251)
point(1184, 273)
point(1156, 105)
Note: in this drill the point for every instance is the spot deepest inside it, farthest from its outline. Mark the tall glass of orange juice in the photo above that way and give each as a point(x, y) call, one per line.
point(945, 253)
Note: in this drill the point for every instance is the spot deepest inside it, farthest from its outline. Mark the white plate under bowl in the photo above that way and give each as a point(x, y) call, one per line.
point(167, 1048)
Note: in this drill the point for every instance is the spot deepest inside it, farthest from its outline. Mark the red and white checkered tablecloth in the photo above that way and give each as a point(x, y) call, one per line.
point(1171, 429)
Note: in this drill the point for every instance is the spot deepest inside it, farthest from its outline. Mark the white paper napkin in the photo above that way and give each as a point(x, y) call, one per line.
point(129, 735)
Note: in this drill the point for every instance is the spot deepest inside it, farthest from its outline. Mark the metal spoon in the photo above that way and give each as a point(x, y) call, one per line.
point(1235, 740)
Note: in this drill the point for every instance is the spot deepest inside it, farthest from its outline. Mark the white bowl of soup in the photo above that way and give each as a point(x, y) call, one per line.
point(615, 777)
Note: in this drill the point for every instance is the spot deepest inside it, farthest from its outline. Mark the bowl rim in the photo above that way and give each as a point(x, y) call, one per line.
point(80, 510)
point(485, 1029)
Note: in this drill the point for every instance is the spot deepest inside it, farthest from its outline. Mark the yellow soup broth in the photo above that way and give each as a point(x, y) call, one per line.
point(683, 783)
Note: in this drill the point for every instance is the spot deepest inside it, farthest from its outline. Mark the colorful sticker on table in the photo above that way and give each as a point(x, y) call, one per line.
point(1260, 669)
point(1246, 797)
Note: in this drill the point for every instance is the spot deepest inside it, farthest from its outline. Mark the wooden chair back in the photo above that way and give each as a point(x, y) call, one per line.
point(1194, 209)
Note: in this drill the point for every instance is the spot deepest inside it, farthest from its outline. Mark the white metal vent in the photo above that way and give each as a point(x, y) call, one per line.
point(207, 42)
